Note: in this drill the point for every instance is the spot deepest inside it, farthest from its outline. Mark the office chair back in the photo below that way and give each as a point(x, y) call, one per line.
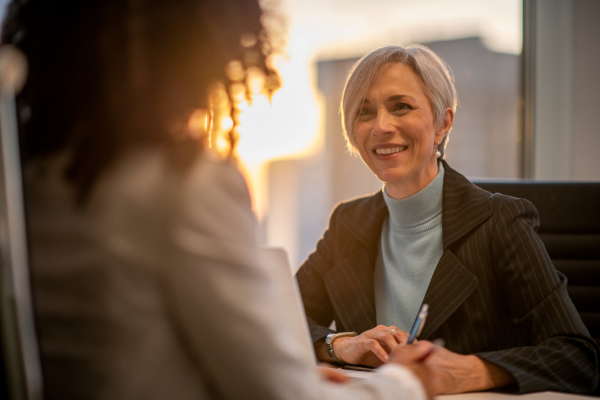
point(570, 229)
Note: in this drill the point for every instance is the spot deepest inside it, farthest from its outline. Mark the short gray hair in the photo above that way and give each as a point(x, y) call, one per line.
point(436, 76)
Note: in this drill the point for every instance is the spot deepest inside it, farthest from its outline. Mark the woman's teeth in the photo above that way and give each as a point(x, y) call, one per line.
point(390, 150)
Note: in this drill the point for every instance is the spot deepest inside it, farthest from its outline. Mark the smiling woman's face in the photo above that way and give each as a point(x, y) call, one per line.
point(395, 132)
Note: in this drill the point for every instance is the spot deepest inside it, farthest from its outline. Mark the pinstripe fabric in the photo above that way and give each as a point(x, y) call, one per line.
point(494, 293)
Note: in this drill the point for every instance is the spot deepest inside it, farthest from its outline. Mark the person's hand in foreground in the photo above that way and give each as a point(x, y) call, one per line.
point(415, 357)
point(332, 374)
point(456, 373)
point(371, 347)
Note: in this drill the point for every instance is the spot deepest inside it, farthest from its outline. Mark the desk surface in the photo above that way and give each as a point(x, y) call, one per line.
point(488, 395)
point(500, 396)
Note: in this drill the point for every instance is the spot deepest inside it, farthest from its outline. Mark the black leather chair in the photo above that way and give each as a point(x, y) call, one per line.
point(570, 229)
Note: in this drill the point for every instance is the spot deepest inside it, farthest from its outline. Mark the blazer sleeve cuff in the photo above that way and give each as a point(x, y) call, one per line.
point(318, 332)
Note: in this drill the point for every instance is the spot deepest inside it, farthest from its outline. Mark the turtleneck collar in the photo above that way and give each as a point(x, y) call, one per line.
point(422, 210)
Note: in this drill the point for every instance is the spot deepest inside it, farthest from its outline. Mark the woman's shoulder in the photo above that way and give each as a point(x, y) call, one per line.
point(506, 209)
point(140, 180)
point(210, 194)
point(359, 205)
point(210, 174)
point(500, 202)
point(467, 204)
point(465, 192)
point(149, 175)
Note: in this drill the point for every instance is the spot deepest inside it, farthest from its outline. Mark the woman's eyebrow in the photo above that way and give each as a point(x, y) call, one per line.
point(399, 97)
point(395, 97)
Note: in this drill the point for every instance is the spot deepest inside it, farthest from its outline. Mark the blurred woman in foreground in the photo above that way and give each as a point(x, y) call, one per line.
point(146, 277)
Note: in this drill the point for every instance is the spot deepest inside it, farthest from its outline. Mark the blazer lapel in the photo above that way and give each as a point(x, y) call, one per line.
point(464, 207)
point(364, 220)
point(350, 281)
point(450, 286)
point(350, 287)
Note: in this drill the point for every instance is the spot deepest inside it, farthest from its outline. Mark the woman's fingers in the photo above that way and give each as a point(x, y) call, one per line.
point(374, 346)
point(401, 337)
point(377, 342)
point(389, 338)
point(411, 354)
point(360, 350)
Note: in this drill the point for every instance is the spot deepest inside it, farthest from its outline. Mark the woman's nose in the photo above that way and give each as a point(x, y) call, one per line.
point(383, 124)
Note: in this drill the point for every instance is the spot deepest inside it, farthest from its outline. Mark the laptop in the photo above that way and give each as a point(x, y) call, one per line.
point(290, 304)
point(288, 294)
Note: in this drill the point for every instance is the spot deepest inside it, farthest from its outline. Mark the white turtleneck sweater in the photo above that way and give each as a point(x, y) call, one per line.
point(410, 248)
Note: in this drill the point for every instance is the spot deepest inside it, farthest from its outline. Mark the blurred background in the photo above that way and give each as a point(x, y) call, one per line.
point(526, 72)
point(480, 40)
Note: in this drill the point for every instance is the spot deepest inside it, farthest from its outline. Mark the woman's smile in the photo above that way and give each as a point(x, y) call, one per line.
point(389, 150)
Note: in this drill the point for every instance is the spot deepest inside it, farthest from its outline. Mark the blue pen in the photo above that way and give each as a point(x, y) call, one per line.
point(419, 323)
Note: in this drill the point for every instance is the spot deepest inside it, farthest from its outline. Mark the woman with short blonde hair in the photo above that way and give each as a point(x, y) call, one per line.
point(431, 236)
point(435, 75)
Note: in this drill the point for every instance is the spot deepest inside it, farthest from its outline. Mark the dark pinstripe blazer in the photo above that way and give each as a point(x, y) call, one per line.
point(494, 292)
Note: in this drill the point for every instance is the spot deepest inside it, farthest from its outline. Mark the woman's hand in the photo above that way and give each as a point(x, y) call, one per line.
point(457, 373)
point(414, 357)
point(370, 347)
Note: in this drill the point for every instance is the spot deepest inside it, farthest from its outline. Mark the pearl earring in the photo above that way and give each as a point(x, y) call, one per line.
point(437, 152)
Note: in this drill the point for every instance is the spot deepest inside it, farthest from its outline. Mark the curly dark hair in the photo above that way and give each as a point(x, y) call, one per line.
point(109, 75)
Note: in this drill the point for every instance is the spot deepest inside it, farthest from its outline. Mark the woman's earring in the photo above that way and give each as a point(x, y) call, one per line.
point(437, 152)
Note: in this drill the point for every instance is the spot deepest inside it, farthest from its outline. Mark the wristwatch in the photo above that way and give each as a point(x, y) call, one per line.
point(332, 337)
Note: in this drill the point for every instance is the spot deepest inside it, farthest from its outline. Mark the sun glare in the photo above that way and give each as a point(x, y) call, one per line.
point(285, 126)
point(288, 126)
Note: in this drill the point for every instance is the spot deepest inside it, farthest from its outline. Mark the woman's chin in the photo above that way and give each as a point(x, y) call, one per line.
point(392, 179)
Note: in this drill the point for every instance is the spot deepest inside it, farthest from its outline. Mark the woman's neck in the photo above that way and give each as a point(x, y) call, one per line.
point(408, 187)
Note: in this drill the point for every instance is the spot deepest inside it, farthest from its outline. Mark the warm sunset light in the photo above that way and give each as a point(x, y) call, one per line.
point(289, 126)
point(285, 126)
